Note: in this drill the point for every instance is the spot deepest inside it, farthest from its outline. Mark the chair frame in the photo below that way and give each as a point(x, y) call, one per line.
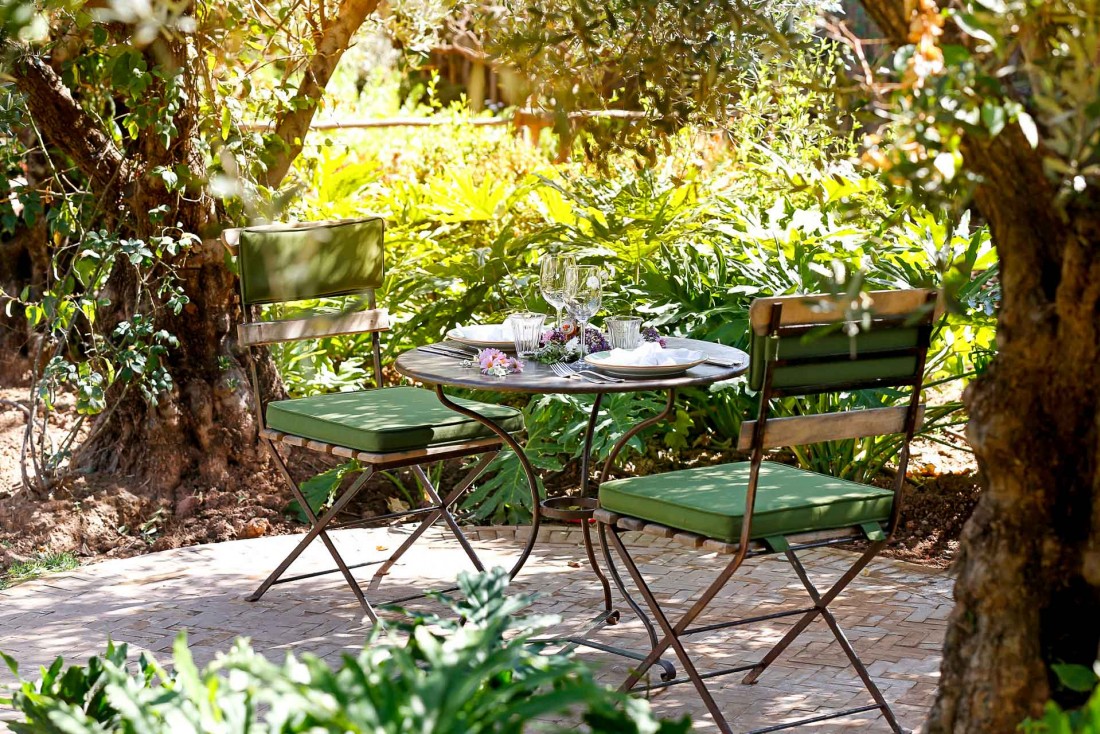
point(252, 333)
point(779, 317)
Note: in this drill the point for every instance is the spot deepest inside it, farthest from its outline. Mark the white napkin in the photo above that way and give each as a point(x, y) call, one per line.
point(652, 353)
point(487, 332)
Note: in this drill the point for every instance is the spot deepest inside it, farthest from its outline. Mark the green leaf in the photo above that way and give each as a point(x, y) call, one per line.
point(973, 27)
point(1076, 677)
point(994, 117)
point(10, 662)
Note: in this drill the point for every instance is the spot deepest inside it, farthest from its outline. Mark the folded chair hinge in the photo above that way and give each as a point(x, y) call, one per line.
point(777, 543)
point(873, 531)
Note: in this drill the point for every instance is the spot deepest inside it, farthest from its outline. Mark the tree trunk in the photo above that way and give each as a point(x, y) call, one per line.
point(204, 431)
point(1028, 588)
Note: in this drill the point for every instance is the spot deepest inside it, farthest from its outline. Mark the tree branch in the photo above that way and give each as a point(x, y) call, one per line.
point(293, 123)
point(1015, 195)
point(67, 126)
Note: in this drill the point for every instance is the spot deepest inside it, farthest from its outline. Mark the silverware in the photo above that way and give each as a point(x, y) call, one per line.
point(458, 347)
point(444, 352)
point(720, 362)
point(590, 371)
point(562, 369)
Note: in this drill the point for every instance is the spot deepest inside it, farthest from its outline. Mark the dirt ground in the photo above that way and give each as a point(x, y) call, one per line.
point(98, 516)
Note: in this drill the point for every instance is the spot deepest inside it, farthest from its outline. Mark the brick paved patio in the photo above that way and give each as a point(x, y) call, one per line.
point(894, 613)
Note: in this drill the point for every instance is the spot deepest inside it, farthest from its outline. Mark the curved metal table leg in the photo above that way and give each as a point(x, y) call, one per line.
point(668, 670)
point(586, 532)
point(528, 470)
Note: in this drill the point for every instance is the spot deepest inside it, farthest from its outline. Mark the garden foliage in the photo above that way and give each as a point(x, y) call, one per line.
point(688, 243)
point(1083, 720)
point(475, 673)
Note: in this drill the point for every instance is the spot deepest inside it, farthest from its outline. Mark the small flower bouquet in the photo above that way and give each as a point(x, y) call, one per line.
point(495, 362)
point(563, 345)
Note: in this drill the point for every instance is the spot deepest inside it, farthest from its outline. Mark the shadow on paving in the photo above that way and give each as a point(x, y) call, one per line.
point(894, 614)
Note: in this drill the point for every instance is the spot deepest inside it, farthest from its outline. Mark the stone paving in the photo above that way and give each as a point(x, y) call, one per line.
point(895, 615)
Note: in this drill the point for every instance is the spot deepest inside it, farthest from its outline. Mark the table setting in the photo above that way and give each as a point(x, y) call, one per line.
point(625, 350)
point(526, 354)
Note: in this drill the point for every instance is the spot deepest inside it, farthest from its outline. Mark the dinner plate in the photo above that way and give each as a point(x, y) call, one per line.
point(599, 360)
point(482, 336)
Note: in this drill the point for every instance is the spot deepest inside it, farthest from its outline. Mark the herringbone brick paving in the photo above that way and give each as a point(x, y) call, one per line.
point(894, 614)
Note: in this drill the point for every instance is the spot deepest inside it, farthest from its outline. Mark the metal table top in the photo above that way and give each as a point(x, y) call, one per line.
point(434, 369)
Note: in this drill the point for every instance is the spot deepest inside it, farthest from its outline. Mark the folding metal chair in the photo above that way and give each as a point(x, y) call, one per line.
point(382, 428)
point(756, 508)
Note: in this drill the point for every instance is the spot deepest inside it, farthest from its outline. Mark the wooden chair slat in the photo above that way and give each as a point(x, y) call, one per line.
point(823, 309)
point(691, 540)
point(605, 516)
point(660, 530)
point(806, 429)
point(720, 546)
point(269, 332)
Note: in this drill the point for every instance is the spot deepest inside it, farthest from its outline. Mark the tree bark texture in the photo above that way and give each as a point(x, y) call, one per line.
point(24, 263)
point(204, 431)
point(1028, 588)
point(293, 124)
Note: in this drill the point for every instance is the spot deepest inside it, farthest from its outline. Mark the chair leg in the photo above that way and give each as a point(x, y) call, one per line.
point(672, 634)
point(448, 517)
point(602, 529)
point(318, 531)
point(696, 609)
point(820, 602)
point(433, 517)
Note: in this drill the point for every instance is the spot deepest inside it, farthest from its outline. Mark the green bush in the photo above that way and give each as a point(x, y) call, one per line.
point(476, 673)
point(689, 242)
point(1084, 720)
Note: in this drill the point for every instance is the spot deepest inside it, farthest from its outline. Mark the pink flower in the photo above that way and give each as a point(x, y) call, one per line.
point(495, 362)
point(489, 358)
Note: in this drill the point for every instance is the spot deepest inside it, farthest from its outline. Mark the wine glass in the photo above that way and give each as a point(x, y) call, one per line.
point(552, 281)
point(583, 294)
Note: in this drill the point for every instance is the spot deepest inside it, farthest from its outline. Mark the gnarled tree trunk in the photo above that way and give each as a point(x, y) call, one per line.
point(203, 432)
point(1028, 588)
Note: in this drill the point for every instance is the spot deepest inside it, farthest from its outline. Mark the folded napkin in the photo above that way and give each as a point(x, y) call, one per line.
point(487, 332)
point(652, 353)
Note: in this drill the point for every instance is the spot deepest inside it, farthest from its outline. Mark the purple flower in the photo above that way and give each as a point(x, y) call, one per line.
point(595, 341)
point(650, 334)
point(561, 335)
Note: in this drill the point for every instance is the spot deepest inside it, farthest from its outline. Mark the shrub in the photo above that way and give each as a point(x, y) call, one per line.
point(476, 673)
point(1084, 720)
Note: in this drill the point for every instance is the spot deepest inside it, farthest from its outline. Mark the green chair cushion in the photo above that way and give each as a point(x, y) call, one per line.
point(279, 263)
point(842, 359)
point(386, 420)
point(710, 501)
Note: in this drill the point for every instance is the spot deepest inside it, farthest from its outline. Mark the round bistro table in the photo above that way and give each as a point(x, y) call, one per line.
point(441, 371)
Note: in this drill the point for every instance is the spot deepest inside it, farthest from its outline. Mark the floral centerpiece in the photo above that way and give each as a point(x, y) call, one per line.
point(563, 345)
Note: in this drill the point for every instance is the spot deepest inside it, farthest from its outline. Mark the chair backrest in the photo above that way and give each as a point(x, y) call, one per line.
point(281, 263)
point(802, 342)
point(797, 349)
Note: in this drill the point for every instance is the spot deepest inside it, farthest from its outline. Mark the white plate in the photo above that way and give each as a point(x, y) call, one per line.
point(599, 361)
point(482, 336)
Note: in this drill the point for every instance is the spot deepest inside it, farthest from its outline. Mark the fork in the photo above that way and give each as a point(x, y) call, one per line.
point(561, 369)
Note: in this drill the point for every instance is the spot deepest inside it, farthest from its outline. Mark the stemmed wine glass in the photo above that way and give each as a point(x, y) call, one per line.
point(583, 294)
point(552, 281)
